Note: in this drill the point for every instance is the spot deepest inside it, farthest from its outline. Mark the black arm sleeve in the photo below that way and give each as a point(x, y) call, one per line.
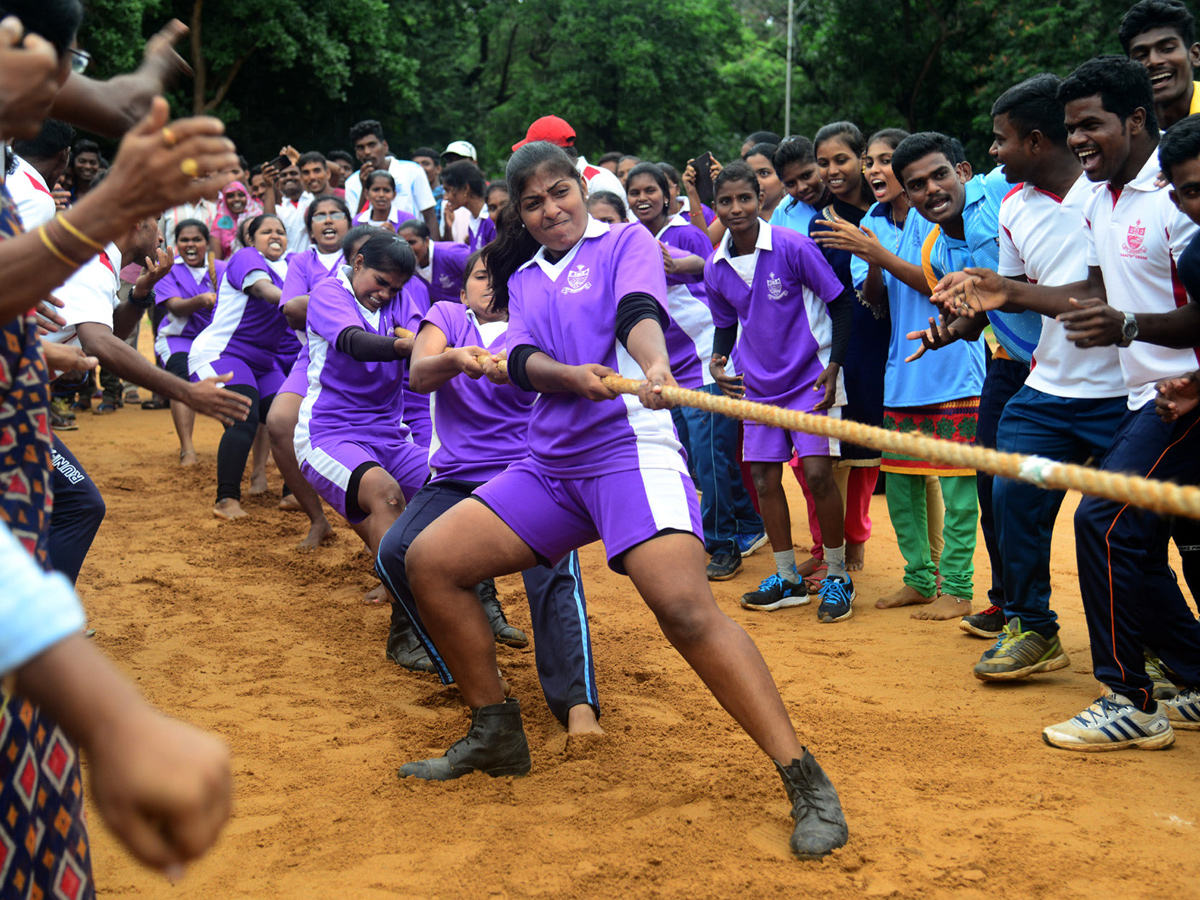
point(517, 358)
point(723, 341)
point(841, 311)
point(632, 308)
point(360, 344)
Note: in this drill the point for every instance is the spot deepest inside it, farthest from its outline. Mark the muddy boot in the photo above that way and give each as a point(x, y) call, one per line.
point(403, 647)
point(820, 825)
point(501, 630)
point(495, 745)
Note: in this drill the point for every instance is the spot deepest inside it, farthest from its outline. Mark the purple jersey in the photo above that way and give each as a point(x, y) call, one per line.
point(568, 309)
point(414, 304)
point(786, 329)
point(305, 271)
point(690, 334)
point(242, 326)
point(444, 274)
point(482, 231)
point(175, 333)
point(479, 428)
point(348, 399)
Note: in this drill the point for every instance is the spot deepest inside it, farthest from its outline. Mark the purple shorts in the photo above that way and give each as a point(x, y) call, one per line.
point(556, 515)
point(765, 443)
point(297, 379)
point(331, 463)
point(266, 380)
point(166, 346)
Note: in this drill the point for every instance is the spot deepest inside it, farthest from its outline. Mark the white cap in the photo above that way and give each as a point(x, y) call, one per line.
point(461, 148)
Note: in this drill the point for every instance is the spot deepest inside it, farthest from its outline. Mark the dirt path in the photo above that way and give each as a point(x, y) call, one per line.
point(947, 786)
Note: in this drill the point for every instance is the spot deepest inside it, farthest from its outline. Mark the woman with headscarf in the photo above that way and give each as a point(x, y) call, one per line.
point(234, 206)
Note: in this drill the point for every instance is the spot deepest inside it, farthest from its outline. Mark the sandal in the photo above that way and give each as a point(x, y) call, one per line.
point(813, 581)
point(155, 403)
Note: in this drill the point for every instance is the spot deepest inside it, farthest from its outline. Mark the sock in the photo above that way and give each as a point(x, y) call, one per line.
point(835, 558)
point(785, 566)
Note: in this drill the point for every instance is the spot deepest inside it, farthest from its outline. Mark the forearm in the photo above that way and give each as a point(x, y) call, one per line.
point(874, 290)
point(967, 329)
point(1179, 328)
point(125, 362)
point(126, 318)
point(266, 291)
point(80, 689)
point(690, 264)
point(647, 345)
point(911, 275)
point(430, 217)
point(430, 371)
point(547, 375)
point(296, 311)
point(185, 306)
point(1049, 300)
point(109, 108)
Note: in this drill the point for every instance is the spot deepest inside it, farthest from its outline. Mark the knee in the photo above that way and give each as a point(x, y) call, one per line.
point(280, 427)
point(821, 483)
point(685, 620)
point(766, 478)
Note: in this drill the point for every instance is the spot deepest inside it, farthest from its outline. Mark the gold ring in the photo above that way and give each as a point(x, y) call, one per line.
point(190, 168)
point(168, 137)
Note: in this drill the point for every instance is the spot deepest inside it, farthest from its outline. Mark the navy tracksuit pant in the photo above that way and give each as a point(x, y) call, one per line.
point(1130, 595)
point(562, 642)
point(76, 515)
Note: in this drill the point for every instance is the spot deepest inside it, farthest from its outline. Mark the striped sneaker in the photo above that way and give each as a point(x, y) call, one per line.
point(776, 593)
point(1164, 687)
point(987, 624)
point(1184, 709)
point(1019, 654)
point(1112, 723)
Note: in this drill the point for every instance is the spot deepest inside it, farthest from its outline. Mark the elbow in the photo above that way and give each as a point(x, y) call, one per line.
point(418, 379)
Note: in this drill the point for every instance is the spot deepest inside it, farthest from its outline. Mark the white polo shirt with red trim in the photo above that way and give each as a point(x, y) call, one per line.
point(1042, 238)
point(1136, 235)
point(35, 204)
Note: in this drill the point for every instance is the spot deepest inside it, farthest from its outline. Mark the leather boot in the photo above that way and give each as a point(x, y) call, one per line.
point(820, 824)
point(503, 632)
point(403, 646)
point(495, 744)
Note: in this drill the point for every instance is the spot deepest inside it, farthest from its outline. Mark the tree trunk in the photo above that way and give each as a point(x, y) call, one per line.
point(200, 81)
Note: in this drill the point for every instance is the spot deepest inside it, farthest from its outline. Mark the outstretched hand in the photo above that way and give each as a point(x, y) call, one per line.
point(970, 291)
point(1177, 396)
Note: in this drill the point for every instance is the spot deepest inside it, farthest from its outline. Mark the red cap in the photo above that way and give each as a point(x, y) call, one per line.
point(549, 128)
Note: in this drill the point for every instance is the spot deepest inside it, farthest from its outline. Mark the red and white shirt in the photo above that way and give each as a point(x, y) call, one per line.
point(1136, 235)
point(35, 204)
point(1042, 238)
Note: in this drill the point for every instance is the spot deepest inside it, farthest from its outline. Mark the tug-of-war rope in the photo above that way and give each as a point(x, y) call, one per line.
point(1161, 497)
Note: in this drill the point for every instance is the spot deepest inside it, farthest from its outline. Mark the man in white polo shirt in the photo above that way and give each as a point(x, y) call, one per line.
point(1072, 400)
point(1134, 238)
point(413, 193)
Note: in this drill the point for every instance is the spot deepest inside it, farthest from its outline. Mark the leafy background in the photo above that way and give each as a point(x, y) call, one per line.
point(662, 80)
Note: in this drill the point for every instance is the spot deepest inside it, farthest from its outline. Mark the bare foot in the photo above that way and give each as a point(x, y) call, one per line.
point(856, 555)
point(320, 532)
point(258, 483)
point(188, 458)
point(944, 607)
point(906, 596)
point(504, 685)
point(290, 504)
point(581, 719)
point(809, 566)
point(378, 596)
point(229, 509)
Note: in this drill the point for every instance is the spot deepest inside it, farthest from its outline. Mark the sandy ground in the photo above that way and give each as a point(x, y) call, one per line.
point(947, 786)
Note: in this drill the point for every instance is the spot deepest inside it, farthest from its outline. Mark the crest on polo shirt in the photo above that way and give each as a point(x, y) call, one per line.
point(446, 281)
point(577, 279)
point(775, 287)
point(1134, 241)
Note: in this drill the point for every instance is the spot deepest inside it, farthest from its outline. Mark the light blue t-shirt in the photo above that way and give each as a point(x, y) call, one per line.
point(794, 215)
point(951, 373)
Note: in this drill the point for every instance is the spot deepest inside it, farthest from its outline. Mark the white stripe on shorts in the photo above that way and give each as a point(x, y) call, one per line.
point(666, 494)
point(329, 468)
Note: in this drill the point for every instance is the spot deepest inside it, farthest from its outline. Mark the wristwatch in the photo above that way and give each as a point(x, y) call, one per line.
point(1129, 330)
point(148, 301)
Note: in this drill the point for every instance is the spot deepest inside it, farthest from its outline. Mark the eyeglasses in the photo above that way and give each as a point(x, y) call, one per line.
point(329, 216)
point(79, 60)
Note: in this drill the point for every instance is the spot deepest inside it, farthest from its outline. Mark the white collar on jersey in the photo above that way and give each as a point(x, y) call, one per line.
point(763, 242)
point(1147, 177)
point(595, 228)
point(672, 222)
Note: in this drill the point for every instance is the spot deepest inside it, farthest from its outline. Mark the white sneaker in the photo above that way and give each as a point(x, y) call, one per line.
point(1112, 723)
point(1183, 709)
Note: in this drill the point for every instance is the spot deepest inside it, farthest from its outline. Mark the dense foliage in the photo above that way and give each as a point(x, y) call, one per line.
point(663, 80)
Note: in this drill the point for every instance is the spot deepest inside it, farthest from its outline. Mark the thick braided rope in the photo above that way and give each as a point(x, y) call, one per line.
point(1159, 496)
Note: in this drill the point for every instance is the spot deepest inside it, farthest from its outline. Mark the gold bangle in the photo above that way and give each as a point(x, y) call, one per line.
point(45, 236)
point(77, 234)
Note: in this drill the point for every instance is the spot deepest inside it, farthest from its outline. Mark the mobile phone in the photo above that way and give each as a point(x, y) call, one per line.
point(704, 184)
point(280, 162)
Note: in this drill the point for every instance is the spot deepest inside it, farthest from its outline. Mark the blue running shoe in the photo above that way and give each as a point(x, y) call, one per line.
point(748, 543)
point(837, 600)
point(775, 593)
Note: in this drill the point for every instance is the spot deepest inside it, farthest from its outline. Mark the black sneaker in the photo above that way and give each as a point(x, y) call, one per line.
point(404, 648)
point(775, 593)
point(988, 624)
point(495, 745)
point(820, 823)
point(724, 565)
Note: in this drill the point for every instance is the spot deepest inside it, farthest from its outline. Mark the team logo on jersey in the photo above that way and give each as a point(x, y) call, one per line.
point(775, 287)
point(446, 282)
point(577, 279)
point(1134, 240)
